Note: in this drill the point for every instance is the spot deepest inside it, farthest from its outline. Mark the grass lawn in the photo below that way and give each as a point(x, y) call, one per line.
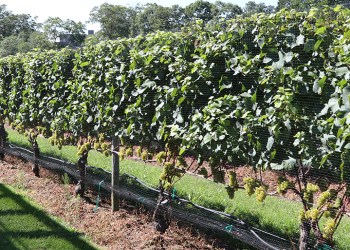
point(275, 215)
point(24, 226)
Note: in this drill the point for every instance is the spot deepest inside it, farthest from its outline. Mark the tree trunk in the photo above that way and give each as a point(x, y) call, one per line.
point(161, 215)
point(82, 171)
point(305, 228)
point(36, 151)
point(3, 139)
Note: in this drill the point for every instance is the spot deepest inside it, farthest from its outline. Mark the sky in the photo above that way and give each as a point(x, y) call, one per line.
point(78, 10)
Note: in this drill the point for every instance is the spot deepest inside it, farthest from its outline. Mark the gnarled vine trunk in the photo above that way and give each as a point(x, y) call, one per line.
point(161, 214)
point(36, 151)
point(82, 171)
point(3, 140)
point(304, 237)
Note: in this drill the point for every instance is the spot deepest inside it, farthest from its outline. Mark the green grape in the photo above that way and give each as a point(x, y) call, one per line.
point(106, 153)
point(309, 192)
point(249, 185)
point(101, 138)
point(301, 215)
point(160, 157)
point(337, 203)
point(144, 155)
point(325, 196)
point(312, 188)
point(328, 229)
point(97, 145)
point(232, 180)
point(307, 196)
point(122, 154)
point(283, 185)
point(129, 152)
point(312, 214)
point(168, 167)
point(260, 193)
point(104, 146)
point(139, 151)
point(327, 214)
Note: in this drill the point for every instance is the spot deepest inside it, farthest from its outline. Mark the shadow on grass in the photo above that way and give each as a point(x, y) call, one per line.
point(23, 226)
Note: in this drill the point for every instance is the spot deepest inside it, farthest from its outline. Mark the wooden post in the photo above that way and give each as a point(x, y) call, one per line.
point(115, 174)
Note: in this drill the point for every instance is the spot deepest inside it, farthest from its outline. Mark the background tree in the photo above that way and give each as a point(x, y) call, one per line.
point(177, 18)
point(200, 9)
point(152, 17)
point(227, 10)
point(303, 5)
point(11, 24)
point(252, 8)
point(55, 28)
point(115, 20)
point(24, 42)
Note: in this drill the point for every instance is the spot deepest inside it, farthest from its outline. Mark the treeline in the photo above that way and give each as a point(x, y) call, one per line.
point(119, 21)
point(20, 33)
point(271, 91)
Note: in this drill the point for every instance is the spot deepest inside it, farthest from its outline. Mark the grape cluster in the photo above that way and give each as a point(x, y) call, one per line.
point(328, 229)
point(312, 214)
point(122, 154)
point(160, 157)
point(232, 184)
point(260, 193)
point(301, 215)
point(144, 155)
point(232, 180)
point(283, 185)
point(139, 151)
point(169, 173)
point(324, 197)
point(309, 192)
point(249, 185)
point(19, 127)
point(129, 152)
point(84, 148)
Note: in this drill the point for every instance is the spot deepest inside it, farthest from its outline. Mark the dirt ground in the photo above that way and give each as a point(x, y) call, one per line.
point(129, 228)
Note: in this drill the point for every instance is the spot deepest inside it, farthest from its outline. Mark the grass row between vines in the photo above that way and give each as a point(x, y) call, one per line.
point(275, 215)
point(23, 225)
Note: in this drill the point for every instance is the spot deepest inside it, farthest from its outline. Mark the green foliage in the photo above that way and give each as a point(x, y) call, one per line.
point(270, 91)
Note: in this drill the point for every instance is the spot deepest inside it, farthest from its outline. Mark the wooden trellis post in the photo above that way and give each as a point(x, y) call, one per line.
point(115, 174)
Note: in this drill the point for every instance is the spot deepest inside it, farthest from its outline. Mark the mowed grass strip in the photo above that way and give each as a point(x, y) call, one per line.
point(275, 215)
point(25, 226)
